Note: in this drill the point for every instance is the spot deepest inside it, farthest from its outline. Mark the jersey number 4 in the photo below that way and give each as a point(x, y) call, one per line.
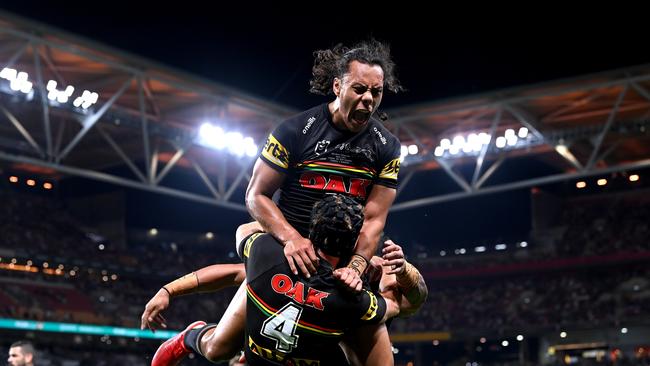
point(281, 327)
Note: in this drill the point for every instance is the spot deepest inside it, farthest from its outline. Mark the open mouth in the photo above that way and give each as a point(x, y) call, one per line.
point(361, 116)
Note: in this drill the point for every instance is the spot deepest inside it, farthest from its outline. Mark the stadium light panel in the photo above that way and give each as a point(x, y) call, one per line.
point(501, 142)
point(523, 132)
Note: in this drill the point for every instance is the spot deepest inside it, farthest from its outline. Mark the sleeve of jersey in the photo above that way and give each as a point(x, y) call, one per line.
point(389, 165)
point(373, 307)
point(259, 252)
point(277, 150)
point(244, 247)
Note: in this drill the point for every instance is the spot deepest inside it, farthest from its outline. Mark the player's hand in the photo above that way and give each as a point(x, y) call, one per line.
point(374, 271)
point(393, 258)
point(349, 277)
point(152, 317)
point(301, 255)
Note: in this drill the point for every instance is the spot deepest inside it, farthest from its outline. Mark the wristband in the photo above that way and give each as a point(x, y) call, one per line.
point(182, 286)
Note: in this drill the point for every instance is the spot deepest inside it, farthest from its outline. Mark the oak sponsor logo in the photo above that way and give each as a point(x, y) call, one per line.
point(357, 187)
point(282, 284)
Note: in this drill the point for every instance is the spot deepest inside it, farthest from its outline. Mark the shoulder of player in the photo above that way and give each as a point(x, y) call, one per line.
point(260, 240)
point(303, 120)
point(381, 133)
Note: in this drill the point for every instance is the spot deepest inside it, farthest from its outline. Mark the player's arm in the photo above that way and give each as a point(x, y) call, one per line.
point(398, 273)
point(375, 212)
point(207, 279)
point(264, 183)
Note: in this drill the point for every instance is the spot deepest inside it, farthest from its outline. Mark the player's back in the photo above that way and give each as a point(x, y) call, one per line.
point(292, 320)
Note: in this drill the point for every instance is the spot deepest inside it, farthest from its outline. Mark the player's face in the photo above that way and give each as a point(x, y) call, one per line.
point(16, 357)
point(359, 94)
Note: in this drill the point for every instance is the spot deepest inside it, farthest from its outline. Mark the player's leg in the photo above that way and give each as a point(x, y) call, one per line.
point(368, 345)
point(222, 341)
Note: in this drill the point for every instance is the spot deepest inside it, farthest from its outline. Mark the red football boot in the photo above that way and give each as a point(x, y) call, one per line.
point(173, 350)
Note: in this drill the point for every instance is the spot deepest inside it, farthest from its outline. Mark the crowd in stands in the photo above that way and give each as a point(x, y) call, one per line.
point(595, 227)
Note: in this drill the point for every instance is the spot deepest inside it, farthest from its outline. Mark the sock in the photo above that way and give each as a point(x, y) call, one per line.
point(193, 337)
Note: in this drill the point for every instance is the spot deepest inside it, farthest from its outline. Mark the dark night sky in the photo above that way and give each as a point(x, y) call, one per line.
point(267, 52)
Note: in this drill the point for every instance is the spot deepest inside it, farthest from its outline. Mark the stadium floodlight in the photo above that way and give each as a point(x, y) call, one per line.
point(511, 140)
point(523, 244)
point(235, 143)
point(474, 143)
point(21, 83)
point(501, 142)
point(471, 144)
point(413, 149)
point(523, 132)
point(215, 137)
point(404, 150)
point(458, 141)
point(212, 136)
point(467, 147)
point(500, 247)
point(485, 138)
point(509, 132)
point(505, 343)
point(624, 330)
point(601, 182)
point(520, 337)
point(250, 147)
point(563, 334)
point(581, 184)
point(86, 99)
point(634, 177)
point(8, 74)
point(63, 96)
point(480, 249)
point(60, 96)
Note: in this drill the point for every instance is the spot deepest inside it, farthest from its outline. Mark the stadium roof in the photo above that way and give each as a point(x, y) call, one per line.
point(147, 116)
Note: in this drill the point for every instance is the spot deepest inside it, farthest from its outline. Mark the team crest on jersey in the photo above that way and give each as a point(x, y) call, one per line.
point(321, 146)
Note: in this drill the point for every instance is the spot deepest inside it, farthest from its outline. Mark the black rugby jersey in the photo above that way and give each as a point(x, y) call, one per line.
point(291, 320)
point(319, 158)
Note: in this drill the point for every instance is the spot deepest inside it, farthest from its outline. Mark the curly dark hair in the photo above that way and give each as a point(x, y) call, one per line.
point(336, 221)
point(334, 62)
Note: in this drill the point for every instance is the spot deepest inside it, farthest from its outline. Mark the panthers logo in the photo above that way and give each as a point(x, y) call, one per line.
point(321, 146)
